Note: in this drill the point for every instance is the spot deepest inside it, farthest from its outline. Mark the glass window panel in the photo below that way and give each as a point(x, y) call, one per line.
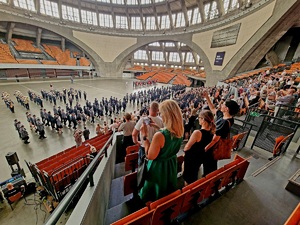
point(180, 22)
point(213, 11)
point(106, 1)
point(64, 12)
point(141, 54)
point(154, 44)
point(120, 2)
point(150, 23)
point(145, 1)
point(105, 20)
point(4, 1)
point(189, 57)
point(235, 4)
point(121, 22)
point(226, 5)
point(169, 44)
point(174, 19)
point(174, 57)
point(132, 2)
point(165, 22)
point(189, 14)
point(136, 23)
point(88, 17)
point(157, 56)
point(54, 7)
point(196, 16)
point(30, 5)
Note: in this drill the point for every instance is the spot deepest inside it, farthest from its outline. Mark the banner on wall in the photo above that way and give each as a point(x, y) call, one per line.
point(219, 58)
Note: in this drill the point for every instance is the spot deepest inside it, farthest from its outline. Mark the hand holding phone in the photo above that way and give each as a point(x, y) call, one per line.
point(147, 120)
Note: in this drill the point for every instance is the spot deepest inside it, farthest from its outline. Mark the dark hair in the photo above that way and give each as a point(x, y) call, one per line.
point(233, 107)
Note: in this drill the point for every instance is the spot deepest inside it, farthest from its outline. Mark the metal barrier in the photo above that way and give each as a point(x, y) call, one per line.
point(256, 117)
point(271, 128)
point(87, 174)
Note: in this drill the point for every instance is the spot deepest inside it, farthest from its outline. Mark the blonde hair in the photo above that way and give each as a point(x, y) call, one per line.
point(172, 117)
point(208, 117)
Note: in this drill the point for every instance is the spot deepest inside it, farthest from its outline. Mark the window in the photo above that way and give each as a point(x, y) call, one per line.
point(189, 14)
point(169, 44)
point(25, 4)
point(70, 13)
point(165, 22)
point(143, 2)
point(4, 1)
point(189, 57)
point(226, 5)
point(121, 22)
point(49, 8)
point(210, 10)
point(180, 21)
point(196, 16)
point(154, 44)
point(140, 54)
point(106, 1)
point(106, 20)
point(132, 2)
point(120, 2)
point(150, 23)
point(156, 1)
point(136, 23)
point(88, 17)
point(157, 56)
point(174, 57)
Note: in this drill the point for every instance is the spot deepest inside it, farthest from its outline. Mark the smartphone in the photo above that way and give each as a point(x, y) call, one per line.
point(147, 121)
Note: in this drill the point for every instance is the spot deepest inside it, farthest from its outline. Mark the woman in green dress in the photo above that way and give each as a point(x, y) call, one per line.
point(162, 165)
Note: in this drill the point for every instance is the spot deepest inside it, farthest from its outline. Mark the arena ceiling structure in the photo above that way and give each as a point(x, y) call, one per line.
point(169, 33)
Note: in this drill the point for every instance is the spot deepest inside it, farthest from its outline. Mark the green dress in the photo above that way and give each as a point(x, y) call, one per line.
point(162, 171)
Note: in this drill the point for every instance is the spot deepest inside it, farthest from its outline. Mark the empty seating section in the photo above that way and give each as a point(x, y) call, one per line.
point(145, 76)
point(164, 77)
point(27, 61)
point(84, 62)
point(5, 54)
point(182, 79)
point(25, 46)
point(49, 62)
point(63, 58)
point(64, 168)
point(201, 192)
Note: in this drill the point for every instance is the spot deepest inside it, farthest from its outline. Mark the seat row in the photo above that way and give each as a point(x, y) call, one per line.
point(294, 218)
point(170, 207)
point(69, 153)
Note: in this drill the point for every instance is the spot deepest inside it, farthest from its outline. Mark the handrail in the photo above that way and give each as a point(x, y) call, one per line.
point(59, 210)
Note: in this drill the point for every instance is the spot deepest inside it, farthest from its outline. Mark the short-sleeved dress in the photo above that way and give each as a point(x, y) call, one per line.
point(194, 157)
point(162, 171)
point(222, 130)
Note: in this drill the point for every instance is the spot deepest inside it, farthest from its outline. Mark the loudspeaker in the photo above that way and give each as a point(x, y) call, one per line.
point(12, 158)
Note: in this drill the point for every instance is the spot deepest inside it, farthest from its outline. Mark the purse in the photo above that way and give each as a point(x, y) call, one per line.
point(222, 149)
point(142, 173)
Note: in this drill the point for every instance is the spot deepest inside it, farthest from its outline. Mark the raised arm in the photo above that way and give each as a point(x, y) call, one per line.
point(210, 104)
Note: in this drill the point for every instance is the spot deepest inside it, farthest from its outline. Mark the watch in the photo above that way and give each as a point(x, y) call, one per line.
point(145, 138)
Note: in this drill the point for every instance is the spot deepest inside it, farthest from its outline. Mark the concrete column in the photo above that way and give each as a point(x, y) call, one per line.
point(38, 37)
point(63, 44)
point(37, 6)
point(10, 29)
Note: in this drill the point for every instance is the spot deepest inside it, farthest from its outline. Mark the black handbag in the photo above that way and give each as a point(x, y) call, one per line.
point(142, 173)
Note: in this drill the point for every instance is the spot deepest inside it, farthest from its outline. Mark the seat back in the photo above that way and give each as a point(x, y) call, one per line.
point(131, 216)
point(194, 196)
point(132, 149)
point(237, 139)
point(131, 161)
point(215, 183)
point(145, 219)
point(168, 211)
point(294, 218)
point(279, 142)
point(130, 183)
point(162, 200)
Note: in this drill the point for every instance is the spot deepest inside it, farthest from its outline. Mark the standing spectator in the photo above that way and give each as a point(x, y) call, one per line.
point(224, 121)
point(153, 115)
point(86, 134)
point(161, 178)
point(194, 149)
point(127, 127)
point(78, 137)
point(99, 129)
